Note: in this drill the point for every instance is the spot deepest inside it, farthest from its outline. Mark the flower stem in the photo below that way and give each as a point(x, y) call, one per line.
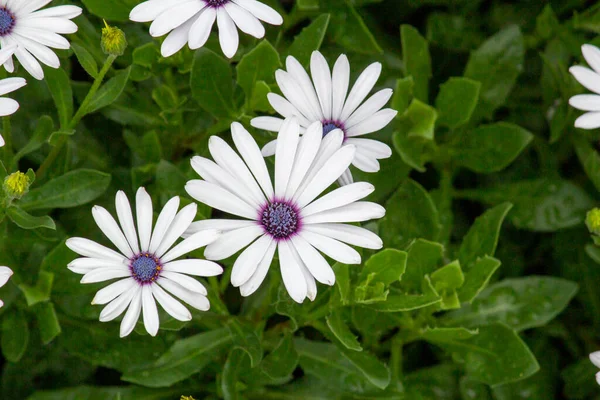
point(81, 112)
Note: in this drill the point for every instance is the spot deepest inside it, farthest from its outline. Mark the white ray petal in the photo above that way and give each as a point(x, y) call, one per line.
point(231, 242)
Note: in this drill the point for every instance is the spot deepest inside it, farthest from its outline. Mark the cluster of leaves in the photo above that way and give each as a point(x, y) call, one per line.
point(487, 171)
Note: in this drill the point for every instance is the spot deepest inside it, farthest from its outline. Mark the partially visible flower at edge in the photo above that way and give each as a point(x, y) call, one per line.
point(191, 22)
point(5, 274)
point(146, 268)
point(325, 98)
point(288, 216)
point(590, 79)
point(595, 359)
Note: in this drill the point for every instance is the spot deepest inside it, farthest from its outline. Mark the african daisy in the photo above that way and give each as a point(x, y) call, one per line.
point(35, 31)
point(146, 268)
point(190, 21)
point(325, 98)
point(288, 216)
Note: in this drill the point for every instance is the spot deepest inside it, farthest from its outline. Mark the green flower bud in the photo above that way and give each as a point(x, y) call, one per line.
point(113, 40)
point(16, 185)
point(592, 220)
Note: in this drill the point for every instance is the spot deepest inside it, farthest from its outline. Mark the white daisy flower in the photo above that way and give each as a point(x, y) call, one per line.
point(325, 98)
point(595, 359)
point(190, 21)
point(8, 85)
point(590, 79)
point(146, 268)
point(287, 216)
point(35, 31)
point(5, 274)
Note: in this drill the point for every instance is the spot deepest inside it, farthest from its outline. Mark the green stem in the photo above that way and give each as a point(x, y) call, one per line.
point(81, 112)
point(396, 359)
point(7, 135)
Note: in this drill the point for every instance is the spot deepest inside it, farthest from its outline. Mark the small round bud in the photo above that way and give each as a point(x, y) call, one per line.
point(16, 185)
point(592, 220)
point(113, 40)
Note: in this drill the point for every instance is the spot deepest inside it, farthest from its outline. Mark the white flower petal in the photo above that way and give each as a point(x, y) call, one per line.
point(271, 124)
point(88, 248)
point(308, 148)
point(111, 230)
point(216, 197)
point(269, 149)
point(228, 34)
point(200, 30)
point(373, 148)
point(363, 85)
point(8, 106)
point(340, 80)
point(65, 11)
point(244, 20)
point(112, 291)
point(170, 305)
point(195, 300)
point(29, 62)
point(332, 248)
point(586, 77)
point(261, 11)
point(292, 90)
point(299, 74)
point(5, 53)
point(355, 212)
point(259, 275)
point(223, 225)
point(595, 358)
point(180, 224)
point(590, 120)
point(177, 38)
point(150, 10)
point(149, 311)
point(194, 267)
point(105, 274)
point(339, 197)
point(133, 313)
point(9, 85)
point(231, 242)
point(126, 220)
point(287, 143)
point(366, 163)
point(163, 222)
point(314, 261)
point(321, 75)
point(190, 244)
point(369, 107)
point(592, 55)
point(175, 16)
point(143, 211)
point(585, 102)
point(291, 272)
point(284, 108)
point(372, 124)
point(350, 234)
point(247, 262)
point(118, 305)
point(5, 274)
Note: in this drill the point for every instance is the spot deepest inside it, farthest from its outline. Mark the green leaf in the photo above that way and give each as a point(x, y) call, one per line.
point(417, 62)
point(473, 390)
point(433, 383)
point(456, 101)
point(496, 64)
point(41, 291)
point(547, 24)
point(259, 64)
point(579, 379)
point(495, 356)
point(211, 83)
point(542, 205)
point(414, 134)
point(60, 87)
point(43, 130)
point(374, 370)
point(342, 281)
point(54, 138)
point(446, 281)
point(482, 238)
point(478, 277)
point(231, 370)
point(424, 257)
point(111, 10)
point(146, 55)
point(342, 332)
point(86, 60)
point(491, 148)
point(310, 39)
point(185, 358)
point(406, 302)
point(589, 159)
point(403, 94)
point(47, 321)
point(442, 333)
point(15, 335)
point(386, 266)
point(282, 361)
point(109, 92)
point(351, 31)
point(245, 338)
point(28, 221)
point(588, 20)
point(69, 190)
point(521, 303)
point(410, 214)
point(106, 393)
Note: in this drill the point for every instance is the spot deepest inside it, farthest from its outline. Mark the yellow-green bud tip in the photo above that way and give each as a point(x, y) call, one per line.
point(592, 220)
point(187, 398)
point(113, 41)
point(16, 185)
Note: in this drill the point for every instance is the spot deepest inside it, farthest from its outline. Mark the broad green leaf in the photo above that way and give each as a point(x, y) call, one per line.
point(403, 94)
point(542, 205)
point(245, 338)
point(69, 190)
point(41, 291)
point(496, 64)
point(43, 130)
point(433, 383)
point(473, 390)
point(60, 87)
point(414, 134)
point(211, 83)
point(86, 60)
point(406, 302)
point(424, 257)
point(410, 214)
point(351, 32)
point(446, 281)
point(453, 32)
point(15, 335)
point(579, 379)
point(111, 10)
point(310, 39)
point(482, 238)
point(342, 281)
point(521, 303)
point(441, 333)
point(478, 277)
point(28, 221)
point(374, 370)
point(282, 361)
point(386, 266)
point(47, 321)
point(110, 91)
point(417, 61)
point(494, 356)
point(259, 64)
point(185, 358)
point(456, 101)
point(589, 159)
point(166, 98)
point(546, 23)
point(337, 325)
point(146, 55)
point(490, 148)
point(231, 369)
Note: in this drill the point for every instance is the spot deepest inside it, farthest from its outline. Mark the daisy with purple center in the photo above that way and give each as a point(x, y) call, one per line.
point(190, 21)
point(325, 98)
point(288, 216)
point(147, 265)
point(35, 32)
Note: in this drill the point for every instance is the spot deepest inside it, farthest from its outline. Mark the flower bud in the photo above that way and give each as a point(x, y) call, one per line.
point(592, 220)
point(16, 185)
point(113, 40)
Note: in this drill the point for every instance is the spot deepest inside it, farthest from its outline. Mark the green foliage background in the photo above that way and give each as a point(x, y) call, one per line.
point(487, 287)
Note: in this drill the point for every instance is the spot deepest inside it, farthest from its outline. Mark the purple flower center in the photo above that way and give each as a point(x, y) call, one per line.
point(280, 220)
point(145, 268)
point(216, 3)
point(7, 21)
point(329, 125)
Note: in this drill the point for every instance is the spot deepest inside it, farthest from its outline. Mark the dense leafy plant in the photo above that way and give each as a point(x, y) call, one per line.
point(484, 237)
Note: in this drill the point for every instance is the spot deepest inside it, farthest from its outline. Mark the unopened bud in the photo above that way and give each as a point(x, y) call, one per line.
point(592, 220)
point(16, 185)
point(113, 40)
